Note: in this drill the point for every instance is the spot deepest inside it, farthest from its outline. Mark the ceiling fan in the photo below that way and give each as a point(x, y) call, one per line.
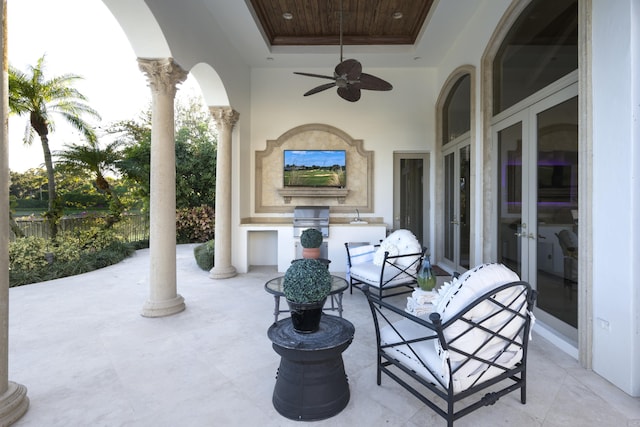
point(348, 77)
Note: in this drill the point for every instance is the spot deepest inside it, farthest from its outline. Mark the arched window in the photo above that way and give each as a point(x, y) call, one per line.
point(541, 47)
point(456, 115)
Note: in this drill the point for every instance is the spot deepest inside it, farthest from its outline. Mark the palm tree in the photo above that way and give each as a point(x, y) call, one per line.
point(98, 162)
point(30, 93)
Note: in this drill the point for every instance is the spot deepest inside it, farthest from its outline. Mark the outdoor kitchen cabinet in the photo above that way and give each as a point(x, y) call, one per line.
point(276, 241)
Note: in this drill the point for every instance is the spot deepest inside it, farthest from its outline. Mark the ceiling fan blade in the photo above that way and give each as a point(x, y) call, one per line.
point(320, 88)
point(349, 92)
point(369, 82)
point(350, 68)
point(314, 75)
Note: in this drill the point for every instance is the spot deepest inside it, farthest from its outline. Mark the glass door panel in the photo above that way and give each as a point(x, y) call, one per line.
point(464, 211)
point(449, 208)
point(537, 207)
point(457, 209)
point(557, 211)
point(510, 177)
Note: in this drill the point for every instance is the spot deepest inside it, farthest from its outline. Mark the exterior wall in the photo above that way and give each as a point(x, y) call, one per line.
point(616, 234)
point(399, 120)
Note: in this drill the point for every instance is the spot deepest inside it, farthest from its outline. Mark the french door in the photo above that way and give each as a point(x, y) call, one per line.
point(457, 209)
point(411, 194)
point(537, 204)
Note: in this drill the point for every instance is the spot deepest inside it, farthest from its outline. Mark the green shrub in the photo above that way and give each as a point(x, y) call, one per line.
point(311, 238)
point(204, 254)
point(195, 225)
point(306, 280)
point(72, 253)
point(27, 253)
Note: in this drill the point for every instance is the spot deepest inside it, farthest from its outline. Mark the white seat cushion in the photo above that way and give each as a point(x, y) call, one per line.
point(369, 273)
point(425, 353)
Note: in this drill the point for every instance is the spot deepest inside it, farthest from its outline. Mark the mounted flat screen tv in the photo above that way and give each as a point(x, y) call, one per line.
point(315, 168)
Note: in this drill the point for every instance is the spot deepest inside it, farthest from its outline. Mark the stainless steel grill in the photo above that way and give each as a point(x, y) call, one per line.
point(311, 217)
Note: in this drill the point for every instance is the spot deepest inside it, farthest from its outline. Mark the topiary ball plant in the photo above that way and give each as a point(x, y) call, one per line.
point(204, 255)
point(311, 238)
point(306, 281)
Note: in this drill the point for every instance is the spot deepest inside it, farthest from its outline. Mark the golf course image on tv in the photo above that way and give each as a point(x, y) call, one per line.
point(315, 168)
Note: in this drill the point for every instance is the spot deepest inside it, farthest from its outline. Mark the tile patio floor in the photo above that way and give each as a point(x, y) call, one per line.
point(88, 358)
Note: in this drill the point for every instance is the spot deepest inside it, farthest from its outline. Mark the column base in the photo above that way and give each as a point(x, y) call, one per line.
point(13, 404)
point(163, 308)
point(222, 272)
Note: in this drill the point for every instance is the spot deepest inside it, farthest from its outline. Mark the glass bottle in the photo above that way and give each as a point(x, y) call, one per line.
point(426, 278)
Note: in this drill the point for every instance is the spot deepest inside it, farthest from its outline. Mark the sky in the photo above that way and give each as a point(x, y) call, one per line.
point(78, 37)
point(314, 157)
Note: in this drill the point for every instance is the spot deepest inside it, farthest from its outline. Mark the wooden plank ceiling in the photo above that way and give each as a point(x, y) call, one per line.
point(364, 22)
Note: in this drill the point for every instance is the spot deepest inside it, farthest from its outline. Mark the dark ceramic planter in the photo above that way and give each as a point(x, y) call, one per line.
point(305, 317)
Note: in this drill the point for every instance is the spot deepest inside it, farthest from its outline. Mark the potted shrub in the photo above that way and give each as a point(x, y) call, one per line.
point(311, 239)
point(306, 285)
point(204, 254)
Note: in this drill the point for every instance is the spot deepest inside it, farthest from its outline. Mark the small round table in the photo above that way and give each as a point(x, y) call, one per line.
point(311, 383)
point(338, 286)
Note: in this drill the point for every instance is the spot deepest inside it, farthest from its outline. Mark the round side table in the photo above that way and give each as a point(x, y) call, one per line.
point(311, 382)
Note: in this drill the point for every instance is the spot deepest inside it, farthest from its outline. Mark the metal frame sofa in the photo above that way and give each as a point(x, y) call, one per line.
point(473, 346)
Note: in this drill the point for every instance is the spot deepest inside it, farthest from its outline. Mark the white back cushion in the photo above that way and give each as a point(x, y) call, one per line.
point(455, 296)
point(404, 242)
point(361, 254)
point(462, 291)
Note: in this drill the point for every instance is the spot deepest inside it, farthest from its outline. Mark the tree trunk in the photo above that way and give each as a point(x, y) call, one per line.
point(14, 226)
point(53, 214)
point(115, 208)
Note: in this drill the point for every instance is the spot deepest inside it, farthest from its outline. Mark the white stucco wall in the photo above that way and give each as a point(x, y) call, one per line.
point(399, 120)
point(616, 251)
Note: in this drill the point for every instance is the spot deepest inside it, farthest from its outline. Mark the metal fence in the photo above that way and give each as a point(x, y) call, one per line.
point(133, 227)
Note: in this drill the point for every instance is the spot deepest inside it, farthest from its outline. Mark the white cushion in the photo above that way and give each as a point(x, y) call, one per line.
point(402, 353)
point(385, 246)
point(426, 354)
point(369, 273)
point(360, 254)
point(472, 284)
point(457, 295)
point(406, 243)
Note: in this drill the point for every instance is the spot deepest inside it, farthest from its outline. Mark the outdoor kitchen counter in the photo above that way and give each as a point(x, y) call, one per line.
point(286, 221)
point(270, 241)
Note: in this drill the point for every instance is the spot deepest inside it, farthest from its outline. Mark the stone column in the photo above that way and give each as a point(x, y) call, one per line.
point(163, 76)
point(13, 397)
point(225, 118)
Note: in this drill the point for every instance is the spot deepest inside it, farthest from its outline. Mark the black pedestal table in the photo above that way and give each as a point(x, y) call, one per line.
point(311, 382)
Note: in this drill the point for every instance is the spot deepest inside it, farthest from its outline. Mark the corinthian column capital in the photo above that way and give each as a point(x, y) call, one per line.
point(225, 117)
point(163, 74)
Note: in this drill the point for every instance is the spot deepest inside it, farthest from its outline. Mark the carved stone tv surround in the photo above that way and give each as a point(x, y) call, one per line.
point(272, 197)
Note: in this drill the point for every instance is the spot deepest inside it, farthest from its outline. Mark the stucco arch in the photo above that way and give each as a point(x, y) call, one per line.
point(150, 38)
point(140, 27)
point(211, 86)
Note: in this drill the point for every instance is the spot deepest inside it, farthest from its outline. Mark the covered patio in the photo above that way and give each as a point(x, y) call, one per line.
point(89, 358)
